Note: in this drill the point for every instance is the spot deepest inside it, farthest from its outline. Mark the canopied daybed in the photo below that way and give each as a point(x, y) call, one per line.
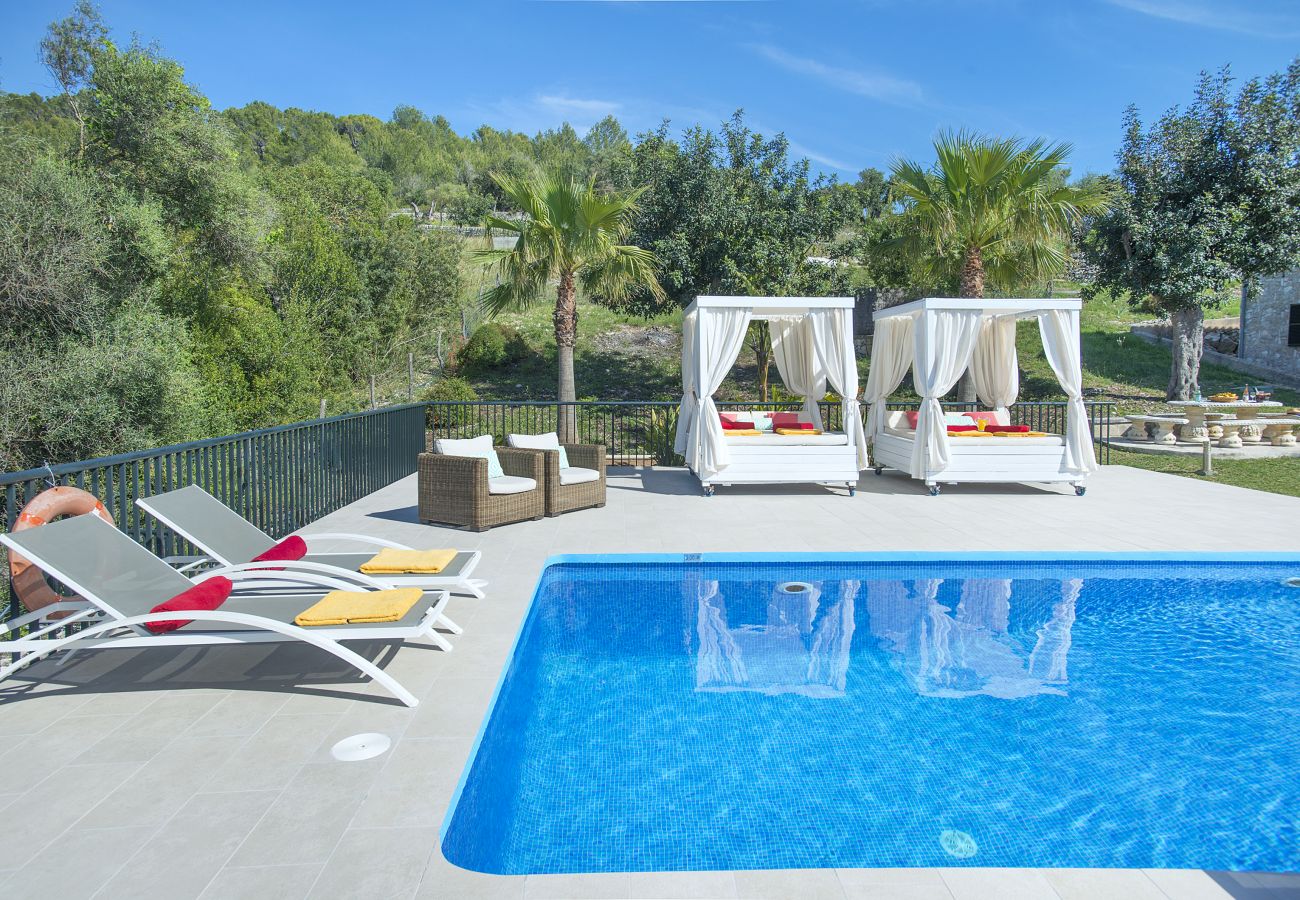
point(938, 339)
point(812, 346)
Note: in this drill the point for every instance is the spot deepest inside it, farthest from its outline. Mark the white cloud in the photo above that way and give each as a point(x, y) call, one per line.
point(877, 86)
point(577, 106)
point(1220, 16)
point(827, 161)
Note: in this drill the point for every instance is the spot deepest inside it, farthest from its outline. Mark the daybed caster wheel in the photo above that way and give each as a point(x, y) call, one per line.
point(708, 490)
point(934, 490)
point(1080, 490)
point(880, 470)
point(853, 490)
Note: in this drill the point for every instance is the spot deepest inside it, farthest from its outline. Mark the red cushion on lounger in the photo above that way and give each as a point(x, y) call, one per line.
point(911, 418)
point(289, 549)
point(736, 425)
point(206, 595)
point(1008, 429)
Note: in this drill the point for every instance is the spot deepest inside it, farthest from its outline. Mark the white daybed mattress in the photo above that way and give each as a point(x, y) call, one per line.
point(827, 439)
point(981, 459)
point(789, 459)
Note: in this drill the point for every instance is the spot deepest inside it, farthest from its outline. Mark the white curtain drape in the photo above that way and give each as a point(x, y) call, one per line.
point(833, 340)
point(891, 357)
point(689, 406)
point(994, 365)
point(796, 360)
point(1060, 331)
point(943, 343)
point(719, 335)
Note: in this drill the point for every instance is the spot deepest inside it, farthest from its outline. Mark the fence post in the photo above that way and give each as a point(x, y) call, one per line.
point(322, 407)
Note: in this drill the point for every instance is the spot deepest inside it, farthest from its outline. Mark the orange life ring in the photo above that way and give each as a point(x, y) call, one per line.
point(29, 583)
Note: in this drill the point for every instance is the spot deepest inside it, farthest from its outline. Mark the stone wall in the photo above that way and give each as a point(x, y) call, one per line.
point(1264, 321)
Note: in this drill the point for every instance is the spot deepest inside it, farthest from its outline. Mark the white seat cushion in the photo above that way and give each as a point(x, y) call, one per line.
point(480, 446)
point(548, 441)
point(578, 475)
point(510, 484)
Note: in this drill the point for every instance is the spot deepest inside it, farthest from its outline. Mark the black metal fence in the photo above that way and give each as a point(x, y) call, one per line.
point(641, 433)
point(278, 478)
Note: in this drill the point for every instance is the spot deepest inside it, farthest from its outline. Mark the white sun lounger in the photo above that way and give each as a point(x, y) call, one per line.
point(119, 581)
point(231, 540)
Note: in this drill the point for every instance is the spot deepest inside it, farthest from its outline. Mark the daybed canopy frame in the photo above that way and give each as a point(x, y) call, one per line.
point(938, 339)
point(812, 346)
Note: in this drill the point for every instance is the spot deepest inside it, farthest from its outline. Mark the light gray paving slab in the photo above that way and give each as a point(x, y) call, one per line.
point(54, 804)
point(376, 862)
point(1003, 884)
point(778, 884)
point(309, 817)
point(442, 879)
point(182, 857)
point(417, 771)
point(1082, 884)
point(262, 882)
point(154, 791)
point(78, 864)
point(681, 885)
point(599, 886)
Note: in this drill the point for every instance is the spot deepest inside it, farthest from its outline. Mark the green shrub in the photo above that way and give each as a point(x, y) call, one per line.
point(491, 346)
point(448, 419)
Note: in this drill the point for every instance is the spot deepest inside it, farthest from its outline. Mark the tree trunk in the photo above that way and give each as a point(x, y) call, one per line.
point(566, 337)
point(972, 286)
point(1188, 335)
point(762, 347)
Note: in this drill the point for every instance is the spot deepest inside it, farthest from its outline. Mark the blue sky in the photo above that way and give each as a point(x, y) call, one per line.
point(851, 83)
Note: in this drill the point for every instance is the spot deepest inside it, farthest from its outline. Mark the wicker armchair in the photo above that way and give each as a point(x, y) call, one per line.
point(561, 498)
point(454, 490)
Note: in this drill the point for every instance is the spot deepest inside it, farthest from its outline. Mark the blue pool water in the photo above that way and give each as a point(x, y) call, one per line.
point(665, 715)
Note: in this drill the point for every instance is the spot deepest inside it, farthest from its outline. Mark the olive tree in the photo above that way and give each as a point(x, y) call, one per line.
point(1209, 194)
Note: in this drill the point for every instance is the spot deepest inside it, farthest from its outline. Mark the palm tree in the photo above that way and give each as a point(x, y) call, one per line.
point(571, 234)
point(991, 211)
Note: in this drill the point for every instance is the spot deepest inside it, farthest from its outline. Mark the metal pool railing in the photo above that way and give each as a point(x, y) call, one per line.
point(278, 478)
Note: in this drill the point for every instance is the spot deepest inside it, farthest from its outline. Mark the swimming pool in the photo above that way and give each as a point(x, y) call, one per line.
point(742, 712)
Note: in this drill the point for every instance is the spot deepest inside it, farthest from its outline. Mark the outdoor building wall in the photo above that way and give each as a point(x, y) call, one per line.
point(1265, 321)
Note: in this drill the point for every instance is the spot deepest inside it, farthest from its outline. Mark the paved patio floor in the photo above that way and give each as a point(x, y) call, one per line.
point(207, 772)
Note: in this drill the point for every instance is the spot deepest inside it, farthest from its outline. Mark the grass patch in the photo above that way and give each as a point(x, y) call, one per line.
point(1277, 476)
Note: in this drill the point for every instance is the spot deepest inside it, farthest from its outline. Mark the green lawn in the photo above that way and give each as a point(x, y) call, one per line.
point(1278, 476)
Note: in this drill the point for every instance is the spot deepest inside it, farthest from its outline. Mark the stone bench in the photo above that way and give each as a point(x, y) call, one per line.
point(1278, 431)
point(1158, 429)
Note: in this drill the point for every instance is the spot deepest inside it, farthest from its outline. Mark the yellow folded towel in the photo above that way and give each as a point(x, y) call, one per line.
point(797, 430)
point(743, 432)
point(355, 607)
point(391, 561)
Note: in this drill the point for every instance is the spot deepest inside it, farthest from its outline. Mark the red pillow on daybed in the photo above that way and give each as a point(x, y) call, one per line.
point(988, 416)
point(952, 428)
point(289, 549)
point(1007, 429)
point(912, 415)
point(736, 425)
point(787, 420)
point(206, 595)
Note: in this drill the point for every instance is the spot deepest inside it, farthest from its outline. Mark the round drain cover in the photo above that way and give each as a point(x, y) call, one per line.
point(958, 844)
point(361, 746)
point(1292, 582)
point(794, 587)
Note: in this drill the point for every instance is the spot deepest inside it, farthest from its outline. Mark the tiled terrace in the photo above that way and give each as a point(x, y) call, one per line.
point(207, 773)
